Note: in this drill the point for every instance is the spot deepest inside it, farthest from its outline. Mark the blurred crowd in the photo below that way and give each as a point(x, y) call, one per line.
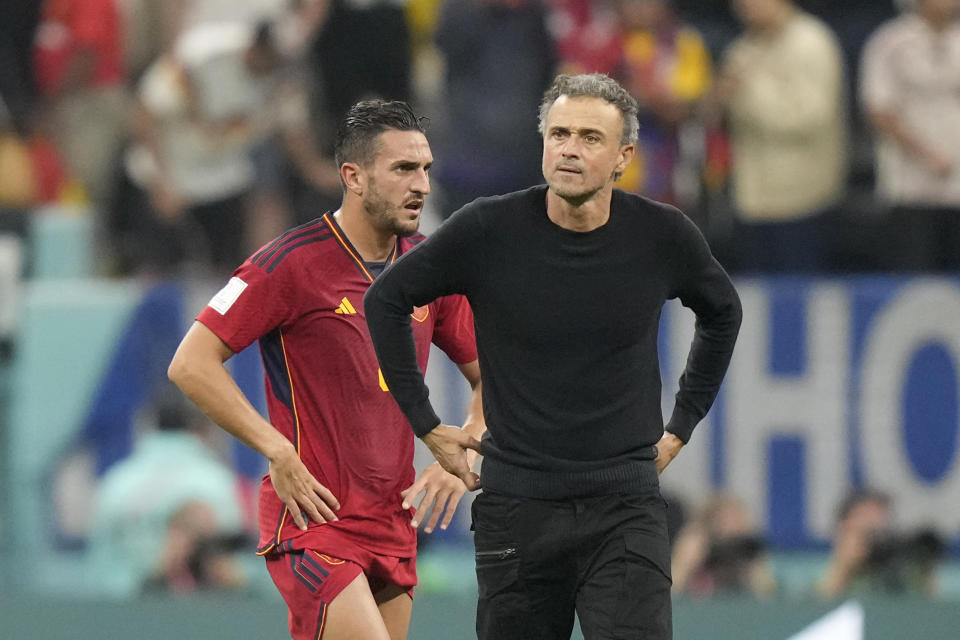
point(719, 550)
point(170, 517)
point(801, 136)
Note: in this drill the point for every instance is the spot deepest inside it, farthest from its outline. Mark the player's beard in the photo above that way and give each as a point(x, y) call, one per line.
point(383, 214)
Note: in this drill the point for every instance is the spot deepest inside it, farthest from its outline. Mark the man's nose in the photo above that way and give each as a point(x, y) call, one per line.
point(570, 147)
point(421, 183)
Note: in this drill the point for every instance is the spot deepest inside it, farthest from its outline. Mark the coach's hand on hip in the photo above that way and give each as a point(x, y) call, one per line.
point(449, 446)
point(667, 449)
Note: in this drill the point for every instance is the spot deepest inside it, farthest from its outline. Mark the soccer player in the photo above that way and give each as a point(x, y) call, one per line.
point(566, 281)
point(335, 519)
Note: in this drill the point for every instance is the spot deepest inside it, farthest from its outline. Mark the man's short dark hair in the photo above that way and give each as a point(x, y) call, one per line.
point(364, 121)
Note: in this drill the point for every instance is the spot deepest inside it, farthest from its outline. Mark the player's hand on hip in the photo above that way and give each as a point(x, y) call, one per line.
point(449, 446)
point(441, 495)
point(667, 449)
point(299, 490)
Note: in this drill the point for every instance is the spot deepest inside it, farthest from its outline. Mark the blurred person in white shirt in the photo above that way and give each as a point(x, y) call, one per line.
point(782, 88)
point(202, 112)
point(910, 90)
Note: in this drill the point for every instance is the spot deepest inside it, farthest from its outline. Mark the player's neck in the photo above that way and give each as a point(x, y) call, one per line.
point(372, 244)
point(580, 216)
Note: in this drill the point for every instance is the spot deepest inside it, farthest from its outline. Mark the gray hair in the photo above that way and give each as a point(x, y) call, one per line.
point(594, 85)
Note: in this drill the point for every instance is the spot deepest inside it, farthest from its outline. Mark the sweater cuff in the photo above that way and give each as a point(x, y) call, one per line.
point(423, 419)
point(682, 423)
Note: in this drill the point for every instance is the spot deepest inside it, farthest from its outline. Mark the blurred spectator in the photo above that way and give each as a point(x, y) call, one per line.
point(720, 551)
point(195, 556)
point(782, 84)
point(149, 30)
point(20, 18)
point(870, 556)
point(350, 67)
point(202, 111)
point(499, 61)
point(280, 194)
point(911, 92)
point(17, 179)
point(32, 171)
point(667, 68)
point(79, 64)
point(193, 13)
point(587, 35)
point(17, 191)
point(715, 21)
point(155, 509)
point(295, 21)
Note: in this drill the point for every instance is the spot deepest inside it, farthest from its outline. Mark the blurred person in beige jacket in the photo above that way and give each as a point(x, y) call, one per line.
point(782, 90)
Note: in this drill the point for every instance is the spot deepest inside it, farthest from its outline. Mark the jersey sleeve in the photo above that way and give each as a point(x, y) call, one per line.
point(453, 331)
point(254, 302)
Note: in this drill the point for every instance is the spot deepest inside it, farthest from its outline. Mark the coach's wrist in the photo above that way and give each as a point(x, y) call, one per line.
point(425, 426)
point(670, 442)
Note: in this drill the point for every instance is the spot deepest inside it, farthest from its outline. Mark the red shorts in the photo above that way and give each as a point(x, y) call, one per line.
point(309, 580)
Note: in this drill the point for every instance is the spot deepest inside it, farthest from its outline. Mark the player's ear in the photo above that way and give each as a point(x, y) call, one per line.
point(353, 177)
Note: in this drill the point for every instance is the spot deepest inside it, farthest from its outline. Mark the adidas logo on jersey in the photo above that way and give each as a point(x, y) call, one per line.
point(345, 308)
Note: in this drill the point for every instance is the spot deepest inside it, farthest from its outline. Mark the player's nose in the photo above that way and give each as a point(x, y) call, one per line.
point(421, 182)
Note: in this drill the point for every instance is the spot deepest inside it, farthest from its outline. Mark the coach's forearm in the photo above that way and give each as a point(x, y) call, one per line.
point(388, 319)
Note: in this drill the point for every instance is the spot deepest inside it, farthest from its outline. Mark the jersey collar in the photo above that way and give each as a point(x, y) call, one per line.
point(351, 250)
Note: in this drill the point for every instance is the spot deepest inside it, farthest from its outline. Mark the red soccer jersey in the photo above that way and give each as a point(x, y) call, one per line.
point(301, 296)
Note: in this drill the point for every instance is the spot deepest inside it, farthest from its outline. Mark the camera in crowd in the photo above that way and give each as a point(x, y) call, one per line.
point(902, 563)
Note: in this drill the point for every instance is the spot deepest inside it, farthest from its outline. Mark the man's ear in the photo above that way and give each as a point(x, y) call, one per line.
point(353, 177)
point(627, 151)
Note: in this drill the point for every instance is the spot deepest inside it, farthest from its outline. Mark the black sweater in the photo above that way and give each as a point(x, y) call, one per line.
point(566, 328)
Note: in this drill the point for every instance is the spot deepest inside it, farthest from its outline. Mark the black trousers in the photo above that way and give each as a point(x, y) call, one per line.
point(538, 561)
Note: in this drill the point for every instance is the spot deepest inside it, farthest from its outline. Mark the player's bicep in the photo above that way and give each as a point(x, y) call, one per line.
point(200, 351)
point(471, 371)
point(253, 303)
point(201, 341)
point(454, 332)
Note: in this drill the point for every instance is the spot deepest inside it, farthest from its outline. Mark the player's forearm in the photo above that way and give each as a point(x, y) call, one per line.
point(209, 385)
point(474, 424)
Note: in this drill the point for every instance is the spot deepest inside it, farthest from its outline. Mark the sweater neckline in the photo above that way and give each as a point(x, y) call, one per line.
point(600, 231)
